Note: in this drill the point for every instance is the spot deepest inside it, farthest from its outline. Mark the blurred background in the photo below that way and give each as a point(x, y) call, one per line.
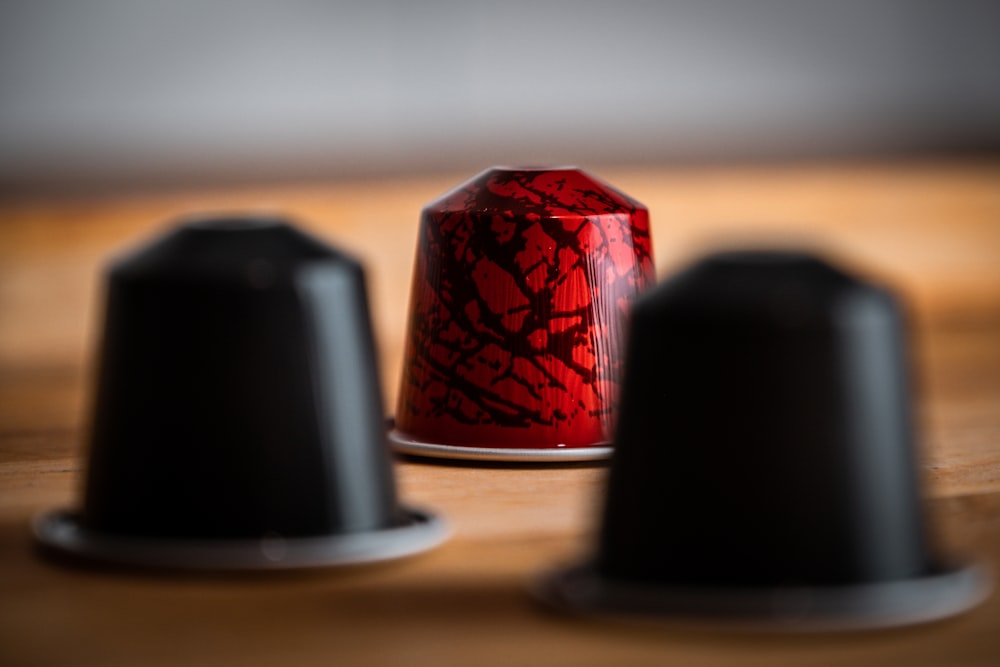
point(869, 129)
point(123, 93)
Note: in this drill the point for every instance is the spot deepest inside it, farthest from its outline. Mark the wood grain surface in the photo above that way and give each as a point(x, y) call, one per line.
point(930, 230)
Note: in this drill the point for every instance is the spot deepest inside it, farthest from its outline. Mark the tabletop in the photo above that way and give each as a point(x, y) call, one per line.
point(931, 230)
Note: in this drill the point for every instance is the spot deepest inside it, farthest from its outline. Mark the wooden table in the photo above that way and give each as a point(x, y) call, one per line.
point(932, 230)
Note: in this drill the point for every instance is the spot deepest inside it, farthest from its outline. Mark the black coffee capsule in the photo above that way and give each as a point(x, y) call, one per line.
point(764, 465)
point(238, 421)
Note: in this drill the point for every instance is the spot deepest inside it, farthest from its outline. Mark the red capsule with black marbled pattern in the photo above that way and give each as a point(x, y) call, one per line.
point(521, 291)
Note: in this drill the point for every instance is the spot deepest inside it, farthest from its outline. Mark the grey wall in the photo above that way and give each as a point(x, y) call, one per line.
point(132, 91)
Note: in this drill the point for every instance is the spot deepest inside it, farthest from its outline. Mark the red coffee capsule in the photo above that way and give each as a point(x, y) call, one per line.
point(522, 285)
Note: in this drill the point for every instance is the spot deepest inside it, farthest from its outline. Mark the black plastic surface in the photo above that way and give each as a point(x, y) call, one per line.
point(238, 394)
point(765, 435)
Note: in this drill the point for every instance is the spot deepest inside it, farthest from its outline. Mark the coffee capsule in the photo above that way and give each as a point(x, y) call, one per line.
point(238, 420)
point(523, 282)
point(765, 468)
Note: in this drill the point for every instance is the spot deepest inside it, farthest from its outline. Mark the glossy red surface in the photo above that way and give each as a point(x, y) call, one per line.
point(522, 286)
